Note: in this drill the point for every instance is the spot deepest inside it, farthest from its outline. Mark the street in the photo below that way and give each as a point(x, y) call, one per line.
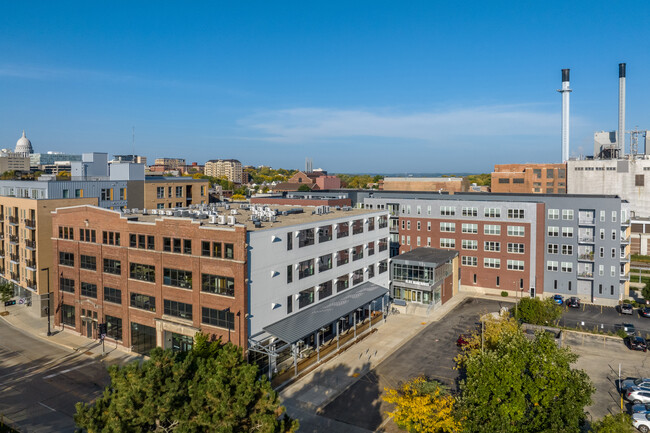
point(591, 317)
point(41, 382)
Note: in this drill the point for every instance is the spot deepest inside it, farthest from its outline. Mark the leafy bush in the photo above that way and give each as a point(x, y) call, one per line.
point(618, 423)
point(504, 294)
point(621, 333)
point(537, 312)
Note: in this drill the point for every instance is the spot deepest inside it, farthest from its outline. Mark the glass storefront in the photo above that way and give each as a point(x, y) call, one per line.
point(414, 295)
point(143, 338)
point(181, 343)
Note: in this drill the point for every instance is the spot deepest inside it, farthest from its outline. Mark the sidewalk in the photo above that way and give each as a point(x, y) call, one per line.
point(305, 397)
point(20, 318)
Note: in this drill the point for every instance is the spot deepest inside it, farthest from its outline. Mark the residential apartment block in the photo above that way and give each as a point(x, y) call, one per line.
point(448, 184)
point(231, 169)
point(171, 192)
point(529, 178)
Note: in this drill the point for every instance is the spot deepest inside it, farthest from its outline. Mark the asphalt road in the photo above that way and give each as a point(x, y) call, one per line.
point(431, 353)
point(41, 382)
point(603, 318)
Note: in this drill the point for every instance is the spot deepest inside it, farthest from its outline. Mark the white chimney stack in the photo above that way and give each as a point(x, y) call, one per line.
point(565, 114)
point(620, 136)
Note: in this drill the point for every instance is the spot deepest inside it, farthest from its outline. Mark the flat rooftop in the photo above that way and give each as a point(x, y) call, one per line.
point(427, 255)
point(244, 215)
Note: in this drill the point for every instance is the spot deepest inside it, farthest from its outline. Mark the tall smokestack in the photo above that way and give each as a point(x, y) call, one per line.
point(620, 137)
point(565, 114)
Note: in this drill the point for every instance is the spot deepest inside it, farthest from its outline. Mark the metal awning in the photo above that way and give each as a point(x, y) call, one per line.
point(310, 320)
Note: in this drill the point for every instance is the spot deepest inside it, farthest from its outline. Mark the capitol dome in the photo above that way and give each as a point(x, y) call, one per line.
point(23, 145)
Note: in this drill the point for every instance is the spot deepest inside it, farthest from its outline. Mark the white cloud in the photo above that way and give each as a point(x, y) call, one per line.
point(317, 124)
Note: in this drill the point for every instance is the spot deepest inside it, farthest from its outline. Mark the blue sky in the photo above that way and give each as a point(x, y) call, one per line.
point(363, 86)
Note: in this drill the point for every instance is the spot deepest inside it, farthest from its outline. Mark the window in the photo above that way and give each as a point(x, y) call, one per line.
point(122, 193)
point(150, 243)
point(515, 265)
point(428, 226)
point(178, 309)
point(87, 235)
point(516, 213)
point(567, 267)
point(612, 271)
point(408, 225)
point(490, 229)
point(229, 251)
point(470, 211)
point(469, 261)
point(187, 246)
point(357, 277)
point(66, 233)
point(537, 172)
point(143, 272)
point(324, 234)
point(613, 253)
point(305, 238)
point(160, 192)
point(567, 250)
point(567, 232)
point(602, 234)
point(498, 281)
point(343, 283)
point(518, 180)
point(67, 315)
point(382, 221)
point(552, 248)
point(567, 214)
point(420, 225)
point(447, 243)
point(515, 248)
point(492, 246)
point(491, 263)
point(602, 252)
point(383, 244)
point(601, 270)
point(418, 210)
point(469, 228)
point(89, 290)
point(467, 244)
point(169, 192)
point(306, 297)
point(217, 249)
point(325, 290)
point(611, 292)
point(66, 259)
point(448, 227)
point(218, 318)
point(516, 231)
point(383, 266)
point(177, 278)
point(357, 227)
point(613, 235)
point(289, 304)
point(306, 269)
point(554, 214)
point(342, 257)
point(179, 191)
point(111, 238)
point(553, 232)
point(78, 193)
point(112, 295)
point(447, 210)
point(106, 194)
point(176, 245)
point(492, 212)
point(143, 302)
point(66, 285)
point(504, 180)
point(205, 248)
point(357, 252)
point(602, 216)
point(371, 271)
point(289, 241)
point(88, 262)
point(600, 289)
point(325, 263)
point(112, 266)
point(371, 247)
point(551, 266)
point(613, 216)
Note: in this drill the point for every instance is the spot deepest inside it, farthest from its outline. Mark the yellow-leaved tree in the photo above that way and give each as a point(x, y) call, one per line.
point(493, 329)
point(423, 406)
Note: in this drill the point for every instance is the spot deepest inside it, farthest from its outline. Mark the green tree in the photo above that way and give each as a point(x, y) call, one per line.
point(6, 292)
point(523, 386)
point(619, 423)
point(646, 292)
point(537, 311)
point(208, 389)
point(304, 187)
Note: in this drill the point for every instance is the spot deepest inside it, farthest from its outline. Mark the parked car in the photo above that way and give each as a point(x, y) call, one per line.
point(641, 421)
point(636, 343)
point(637, 395)
point(644, 312)
point(626, 309)
point(558, 299)
point(641, 408)
point(573, 302)
point(628, 328)
point(463, 340)
point(631, 383)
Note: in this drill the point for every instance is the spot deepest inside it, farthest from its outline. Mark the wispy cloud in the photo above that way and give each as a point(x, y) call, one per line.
point(299, 125)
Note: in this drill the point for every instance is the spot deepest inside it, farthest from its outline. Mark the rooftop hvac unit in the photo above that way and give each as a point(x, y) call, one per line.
point(144, 211)
point(169, 213)
point(213, 219)
point(257, 224)
point(134, 210)
point(233, 211)
point(227, 206)
point(177, 213)
point(231, 220)
point(221, 219)
point(126, 211)
point(154, 211)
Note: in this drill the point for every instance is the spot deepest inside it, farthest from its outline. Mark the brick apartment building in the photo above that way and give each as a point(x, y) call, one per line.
point(529, 178)
point(154, 281)
point(171, 192)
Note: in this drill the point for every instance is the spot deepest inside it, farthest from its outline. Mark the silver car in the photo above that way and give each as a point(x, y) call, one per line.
point(637, 395)
point(641, 421)
point(642, 382)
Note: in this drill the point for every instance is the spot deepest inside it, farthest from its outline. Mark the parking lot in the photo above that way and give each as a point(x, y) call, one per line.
point(432, 351)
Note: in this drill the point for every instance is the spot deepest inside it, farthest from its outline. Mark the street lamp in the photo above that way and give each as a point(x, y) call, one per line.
point(49, 300)
point(227, 310)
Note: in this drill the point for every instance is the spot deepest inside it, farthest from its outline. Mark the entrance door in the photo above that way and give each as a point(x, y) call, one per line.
point(532, 292)
point(89, 329)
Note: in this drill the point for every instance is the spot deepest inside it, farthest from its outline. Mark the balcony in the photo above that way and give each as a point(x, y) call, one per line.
point(586, 257)
point(31, 264)
point(15, 277)
point(31, 244)
point(14, 257)
point(13, 220)
point(585, 239)
point(13, 239)
point(586, 275)
point(31, 284)
point(585, 221)
point(2, 253)
point(30, 224)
